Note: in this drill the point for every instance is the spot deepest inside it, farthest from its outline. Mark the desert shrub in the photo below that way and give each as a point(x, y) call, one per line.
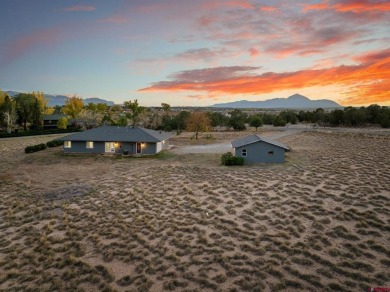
point(35, 148)
point(54, 143)
point(229, 159)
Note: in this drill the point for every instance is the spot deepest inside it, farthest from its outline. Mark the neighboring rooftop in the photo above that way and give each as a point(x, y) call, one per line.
point(119, 134)
point(53, 117)
point(255, 138)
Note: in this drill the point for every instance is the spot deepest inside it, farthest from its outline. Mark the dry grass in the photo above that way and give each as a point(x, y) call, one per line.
point(320, 222)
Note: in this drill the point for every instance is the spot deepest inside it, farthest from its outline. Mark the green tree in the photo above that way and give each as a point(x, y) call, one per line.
point(166, 107)
point(136, 110)
point(36, 118)
point(279, 121)
point(385, 117)
point(181, 119)
point(255, 121)
point(198, 122)
point(62, 123)
point(73, 107)
point(237, 120)
point(122, 121)
point(25, 103)
point(336, 117)
point(218, 119)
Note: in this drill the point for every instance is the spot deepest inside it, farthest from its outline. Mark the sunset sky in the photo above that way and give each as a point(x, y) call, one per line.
point(197, 53)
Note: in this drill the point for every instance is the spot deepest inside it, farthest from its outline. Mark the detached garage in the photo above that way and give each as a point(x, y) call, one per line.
point(256, 149)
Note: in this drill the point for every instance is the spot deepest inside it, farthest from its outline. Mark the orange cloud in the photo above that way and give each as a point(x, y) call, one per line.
point(367, 81)
point(268, 8)
point(254, 52)
point(356, 6)
point(79, 8)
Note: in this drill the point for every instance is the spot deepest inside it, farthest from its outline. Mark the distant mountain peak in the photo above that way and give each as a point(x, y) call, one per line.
point(61, 99)
point(297, 96)
point(295, 101)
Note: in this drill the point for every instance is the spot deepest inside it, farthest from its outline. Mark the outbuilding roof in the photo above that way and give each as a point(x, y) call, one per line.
point(119, 134)
point(255, 138)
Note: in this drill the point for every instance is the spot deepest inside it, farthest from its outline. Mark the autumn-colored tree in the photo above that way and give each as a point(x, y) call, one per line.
point(46, 110)
point(198, 122)
point(73, 106)
point(8, 113)
point(89, 119)
point(62, 123)
point(2, 96)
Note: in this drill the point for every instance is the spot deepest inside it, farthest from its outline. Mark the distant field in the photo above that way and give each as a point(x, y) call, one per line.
point(319, 222)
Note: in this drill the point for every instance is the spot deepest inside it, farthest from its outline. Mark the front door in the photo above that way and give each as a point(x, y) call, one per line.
point(109, 147)
point(139, 148)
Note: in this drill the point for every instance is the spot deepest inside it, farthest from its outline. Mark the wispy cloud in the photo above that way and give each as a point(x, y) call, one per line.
point(367, 81)
point(196, 55)
point(115, 19)
point(23, 44)
point(79, 8)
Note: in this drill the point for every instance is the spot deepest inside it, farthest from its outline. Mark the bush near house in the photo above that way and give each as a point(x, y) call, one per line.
point(54, 143)
point(229, 159)
point(35, 148)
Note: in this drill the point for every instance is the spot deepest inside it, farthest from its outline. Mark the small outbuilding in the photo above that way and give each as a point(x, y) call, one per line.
point(117, 140)
point(255, 149)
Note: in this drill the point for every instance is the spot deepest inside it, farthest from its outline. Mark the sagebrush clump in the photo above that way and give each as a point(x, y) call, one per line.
point(229, 159)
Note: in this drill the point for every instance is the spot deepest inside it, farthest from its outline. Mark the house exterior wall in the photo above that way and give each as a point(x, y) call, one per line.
point(81, 147)
point(165, 144)
point(122, 146)
point(159, 146)
point(99, 147)
point(149, 149)
point(259, 152)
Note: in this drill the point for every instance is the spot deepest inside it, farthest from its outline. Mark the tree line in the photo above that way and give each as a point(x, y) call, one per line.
point(25, 111)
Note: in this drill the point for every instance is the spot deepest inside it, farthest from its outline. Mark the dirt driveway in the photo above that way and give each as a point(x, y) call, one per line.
point(209, 148)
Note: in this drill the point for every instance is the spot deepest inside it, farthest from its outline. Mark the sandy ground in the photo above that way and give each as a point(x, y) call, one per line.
point(319, 222)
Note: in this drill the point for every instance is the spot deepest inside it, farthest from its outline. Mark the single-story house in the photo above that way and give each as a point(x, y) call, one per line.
point(115, 140)
point(50, 121)
point(257, 149)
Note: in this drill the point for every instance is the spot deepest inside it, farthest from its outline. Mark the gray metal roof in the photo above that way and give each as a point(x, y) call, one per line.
point(119, 134)
point(255, 138)
point(53, 117)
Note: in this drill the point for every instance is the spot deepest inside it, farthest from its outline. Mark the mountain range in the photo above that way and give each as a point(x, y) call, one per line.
point(60, 99)
point(295, 101)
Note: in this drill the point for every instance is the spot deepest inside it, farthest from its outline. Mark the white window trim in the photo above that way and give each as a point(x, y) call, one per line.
point(244, 151)
point(91, 144)
point(68, 144)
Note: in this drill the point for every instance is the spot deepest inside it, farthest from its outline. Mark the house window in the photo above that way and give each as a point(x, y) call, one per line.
point(270, 153)
point(89, 145)
point(243, 152)
point(68, 144)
